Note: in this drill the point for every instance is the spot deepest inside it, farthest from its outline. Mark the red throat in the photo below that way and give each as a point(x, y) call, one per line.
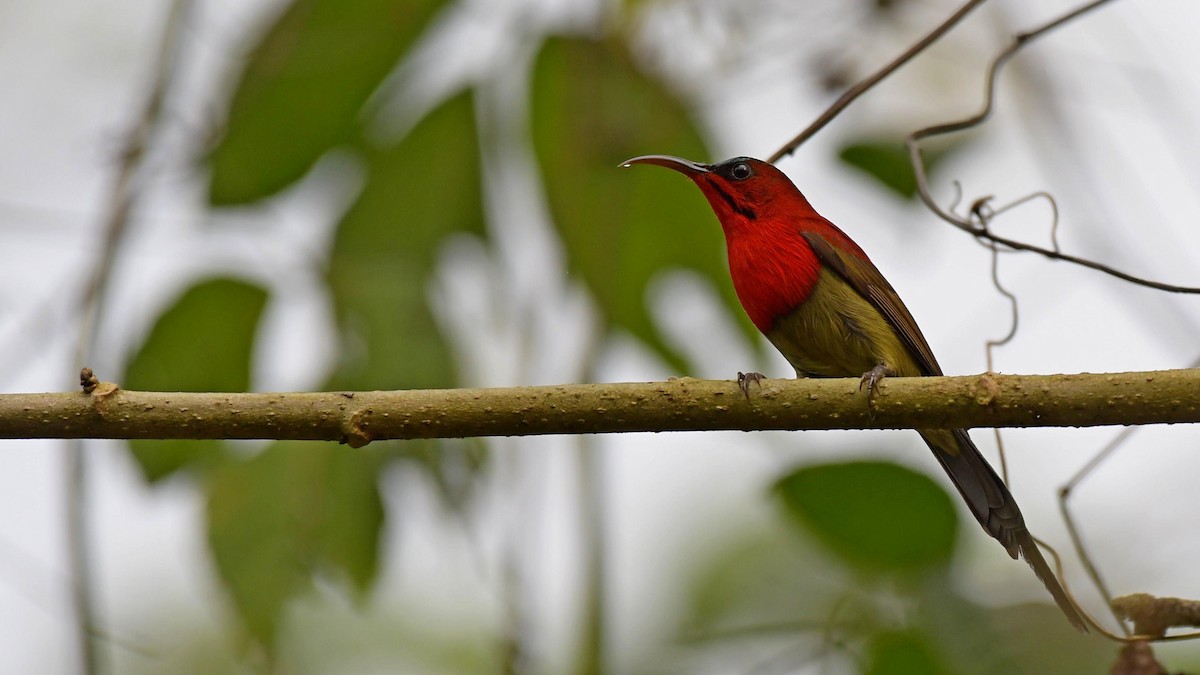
point(773, 268)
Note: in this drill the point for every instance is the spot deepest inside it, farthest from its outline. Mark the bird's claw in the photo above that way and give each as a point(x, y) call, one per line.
point(744, 380)
point(871, 380)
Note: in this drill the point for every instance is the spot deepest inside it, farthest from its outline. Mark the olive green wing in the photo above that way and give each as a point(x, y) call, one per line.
point(867, 281)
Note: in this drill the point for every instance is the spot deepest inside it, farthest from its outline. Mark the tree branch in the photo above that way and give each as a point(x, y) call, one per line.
point(979, 228)
point(875, 78)
point(987, 400)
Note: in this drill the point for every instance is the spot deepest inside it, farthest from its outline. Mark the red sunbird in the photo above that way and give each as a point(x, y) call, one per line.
point(818, 298)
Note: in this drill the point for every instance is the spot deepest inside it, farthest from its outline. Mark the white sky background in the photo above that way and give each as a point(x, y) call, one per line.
point(1103, 114)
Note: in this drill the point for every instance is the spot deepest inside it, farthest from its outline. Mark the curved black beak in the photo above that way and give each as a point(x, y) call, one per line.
point(684, 166)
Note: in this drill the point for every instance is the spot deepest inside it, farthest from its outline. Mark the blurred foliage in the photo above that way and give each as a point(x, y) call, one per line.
point(1030, 638)
point(323, 635)
point(901, 653)
point(203, 342)
point(292, 511)
point(871, 588)
point(592, 110)
point(879, 516)
point(297, 510)
point(418, 192)
point(750, 582)
point(768, 599)
point(303, 87)
point(886, 160)
point(780, 600)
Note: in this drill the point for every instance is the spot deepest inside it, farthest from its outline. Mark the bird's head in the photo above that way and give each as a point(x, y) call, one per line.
point(742, 191)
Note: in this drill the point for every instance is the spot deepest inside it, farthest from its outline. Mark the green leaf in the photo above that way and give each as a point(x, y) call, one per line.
point(203, 342)
point(901, 653)
point(878, 516)
point(418, 192)
point(303, 87)
point(293, 510)
point(887, 161)
point(593, 109)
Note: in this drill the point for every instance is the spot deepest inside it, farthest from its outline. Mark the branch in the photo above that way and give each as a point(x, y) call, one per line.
point(357, 418)
point(979, 228)
point(863, 86)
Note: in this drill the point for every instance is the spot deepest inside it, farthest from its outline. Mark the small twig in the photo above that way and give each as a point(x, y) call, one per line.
point(913, 142)
point(983, 212)
point(1064, 496)
point(863, 86)
point(993, 343)
point(1155, 614)
point(983, 209)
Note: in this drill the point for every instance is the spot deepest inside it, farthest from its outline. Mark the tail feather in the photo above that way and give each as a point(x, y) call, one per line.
point(994, 507)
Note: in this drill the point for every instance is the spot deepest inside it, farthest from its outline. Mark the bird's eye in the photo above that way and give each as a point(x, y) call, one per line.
point(740, 171)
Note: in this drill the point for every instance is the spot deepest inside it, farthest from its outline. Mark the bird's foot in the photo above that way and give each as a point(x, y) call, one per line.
point(871, 380)
point(744, 380)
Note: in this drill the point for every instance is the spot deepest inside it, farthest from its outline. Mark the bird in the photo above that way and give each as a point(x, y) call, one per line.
point(823, 304)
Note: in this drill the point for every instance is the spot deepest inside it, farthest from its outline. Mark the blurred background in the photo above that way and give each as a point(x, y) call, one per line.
point(386, 194)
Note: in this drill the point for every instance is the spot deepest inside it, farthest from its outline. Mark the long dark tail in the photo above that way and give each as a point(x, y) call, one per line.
point(995, 508)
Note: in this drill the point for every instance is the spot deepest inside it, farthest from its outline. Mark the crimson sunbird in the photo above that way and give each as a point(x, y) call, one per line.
point(822, 303)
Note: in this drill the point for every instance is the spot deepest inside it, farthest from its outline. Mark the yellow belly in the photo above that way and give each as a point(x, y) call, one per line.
point(837, 333)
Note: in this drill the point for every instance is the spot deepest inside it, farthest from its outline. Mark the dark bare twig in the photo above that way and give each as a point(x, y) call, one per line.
point(982, 211)
point(1064, 495)
point(1156, 614)
point(862, 87)
point(1019, 41)
point(977, 223)
point(991, 344)
point(983, 214)
point(1062, 579)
